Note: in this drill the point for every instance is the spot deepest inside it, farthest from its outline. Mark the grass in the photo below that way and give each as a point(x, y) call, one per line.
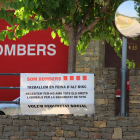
point(121, 21)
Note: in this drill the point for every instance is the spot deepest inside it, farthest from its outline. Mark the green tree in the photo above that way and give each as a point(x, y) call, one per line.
point(75, 21)
point(137, 8)
point(117, 13)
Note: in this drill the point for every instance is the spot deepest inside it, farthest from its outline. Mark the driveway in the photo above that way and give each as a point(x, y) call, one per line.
point(131, 31)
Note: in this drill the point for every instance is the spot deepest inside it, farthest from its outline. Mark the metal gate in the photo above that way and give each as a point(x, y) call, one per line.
point(7, 74)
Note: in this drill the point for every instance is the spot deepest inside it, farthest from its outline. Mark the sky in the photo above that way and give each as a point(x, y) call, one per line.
point(127, 8)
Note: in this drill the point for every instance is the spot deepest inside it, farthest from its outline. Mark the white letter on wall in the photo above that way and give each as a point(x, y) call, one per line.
point(8, 50)
point(31, 49)
point(21, 47)
point(1, 49)
point(50, 49)
point(41, 50)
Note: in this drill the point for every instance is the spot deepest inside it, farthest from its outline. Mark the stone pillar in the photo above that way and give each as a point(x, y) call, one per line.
point(93, 57)
point(134, 92)
point(105, 80)
point(2, 5)
point(105, 92)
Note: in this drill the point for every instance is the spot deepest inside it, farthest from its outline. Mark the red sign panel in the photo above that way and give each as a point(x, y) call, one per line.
point(127, 87)
point(35, 52)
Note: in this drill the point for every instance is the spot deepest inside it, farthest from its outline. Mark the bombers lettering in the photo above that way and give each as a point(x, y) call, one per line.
point(44, 78)
point(30, 49)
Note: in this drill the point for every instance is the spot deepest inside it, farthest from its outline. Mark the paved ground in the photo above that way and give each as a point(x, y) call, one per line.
point(131, 31)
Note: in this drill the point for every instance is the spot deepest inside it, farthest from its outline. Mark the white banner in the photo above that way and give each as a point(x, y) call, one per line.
point(57, 93)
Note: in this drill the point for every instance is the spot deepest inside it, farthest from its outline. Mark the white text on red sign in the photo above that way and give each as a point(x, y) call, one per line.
point(30, 49)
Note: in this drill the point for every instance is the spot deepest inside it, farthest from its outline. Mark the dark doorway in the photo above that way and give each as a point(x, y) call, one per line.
point(112, 60)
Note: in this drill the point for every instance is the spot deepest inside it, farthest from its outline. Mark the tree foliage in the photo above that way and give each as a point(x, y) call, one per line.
point(88, 19)
point(137, 8)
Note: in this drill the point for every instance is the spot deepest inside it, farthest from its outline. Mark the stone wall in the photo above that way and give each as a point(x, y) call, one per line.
point(67, 127)
point(134, 92)
point(92, 58)
point(104, 125)
point(2, 5)
point(70, 127)
point(105, 91)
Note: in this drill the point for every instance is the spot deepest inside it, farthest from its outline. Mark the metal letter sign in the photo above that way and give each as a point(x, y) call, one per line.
point(57, 93)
